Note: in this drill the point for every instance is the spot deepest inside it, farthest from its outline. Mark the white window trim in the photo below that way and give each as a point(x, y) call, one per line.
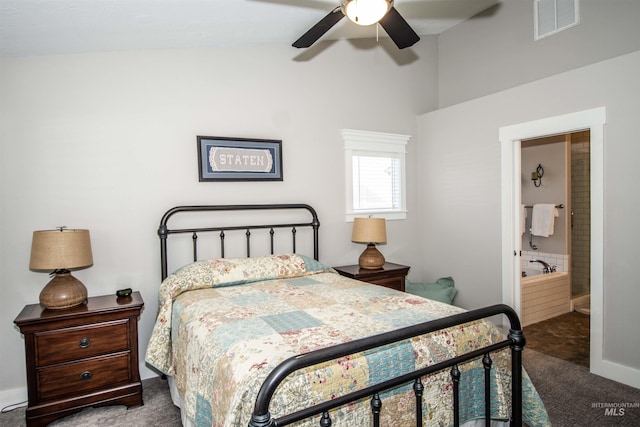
point(362, 141)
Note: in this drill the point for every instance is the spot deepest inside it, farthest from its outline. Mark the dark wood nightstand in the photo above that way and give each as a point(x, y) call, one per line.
point(390, 275)
point(82, 356)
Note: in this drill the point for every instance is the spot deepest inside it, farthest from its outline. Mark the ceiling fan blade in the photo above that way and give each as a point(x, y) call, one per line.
point(318, 30)
point(398, 29)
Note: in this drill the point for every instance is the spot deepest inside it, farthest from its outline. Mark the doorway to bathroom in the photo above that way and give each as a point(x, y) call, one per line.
point(555, 310)
point(511, 138)
point(566, 184)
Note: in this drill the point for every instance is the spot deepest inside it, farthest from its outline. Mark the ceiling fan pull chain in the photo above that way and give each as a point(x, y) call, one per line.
point(377, 32)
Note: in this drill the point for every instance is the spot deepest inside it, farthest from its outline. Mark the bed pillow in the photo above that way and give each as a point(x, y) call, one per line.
point(442, 290)
point(233, 271)
point(215, 273)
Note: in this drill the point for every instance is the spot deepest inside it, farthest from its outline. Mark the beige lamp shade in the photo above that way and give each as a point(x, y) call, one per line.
point(60, 251)
point(370, 231)
point(64, 249)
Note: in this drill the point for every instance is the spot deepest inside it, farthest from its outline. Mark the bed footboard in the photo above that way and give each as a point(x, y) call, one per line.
point(515, 339)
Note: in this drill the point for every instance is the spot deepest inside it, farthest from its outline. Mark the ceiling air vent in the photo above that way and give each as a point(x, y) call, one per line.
point(553, 16)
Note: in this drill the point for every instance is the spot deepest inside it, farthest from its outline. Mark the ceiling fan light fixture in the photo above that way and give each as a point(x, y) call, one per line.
point(366, 12)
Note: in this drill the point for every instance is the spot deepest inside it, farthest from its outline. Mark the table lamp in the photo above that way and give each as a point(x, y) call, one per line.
point(370, 231)
point(60, 251)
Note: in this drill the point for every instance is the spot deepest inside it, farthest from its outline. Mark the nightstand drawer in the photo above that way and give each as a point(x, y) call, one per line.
point(81, 342)
point(396, 283)
point(84, 376)
point(391, 275)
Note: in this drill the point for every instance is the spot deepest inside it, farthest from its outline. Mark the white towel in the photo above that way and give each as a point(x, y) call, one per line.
point(543, 219)
point(523, 219)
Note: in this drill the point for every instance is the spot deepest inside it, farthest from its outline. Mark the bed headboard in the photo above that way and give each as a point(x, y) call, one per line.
point(209, 216)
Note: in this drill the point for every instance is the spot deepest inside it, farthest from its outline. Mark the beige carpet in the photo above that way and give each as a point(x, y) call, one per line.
point(158, 410)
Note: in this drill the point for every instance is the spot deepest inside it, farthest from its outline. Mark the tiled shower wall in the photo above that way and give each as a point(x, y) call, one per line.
point(581, 214)
point(560, 261)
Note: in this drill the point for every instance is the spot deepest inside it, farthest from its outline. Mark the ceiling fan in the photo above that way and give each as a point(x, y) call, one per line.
point(364, 12)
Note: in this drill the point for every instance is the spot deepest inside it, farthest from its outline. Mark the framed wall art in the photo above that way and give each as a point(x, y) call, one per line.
point(239, 159)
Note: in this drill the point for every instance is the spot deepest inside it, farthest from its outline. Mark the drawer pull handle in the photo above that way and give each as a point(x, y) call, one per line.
point(85, 375)
point(84, 343)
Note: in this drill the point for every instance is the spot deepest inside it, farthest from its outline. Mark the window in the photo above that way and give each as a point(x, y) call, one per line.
point(375, 174)
point(553, 16)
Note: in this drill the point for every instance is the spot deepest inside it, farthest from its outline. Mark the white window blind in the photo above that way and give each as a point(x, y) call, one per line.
point(375, 174)
point(553, 16)
point(376, 182)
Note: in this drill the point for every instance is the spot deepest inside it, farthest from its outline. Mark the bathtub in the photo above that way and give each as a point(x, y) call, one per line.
point(543, 296)
point(531, 271)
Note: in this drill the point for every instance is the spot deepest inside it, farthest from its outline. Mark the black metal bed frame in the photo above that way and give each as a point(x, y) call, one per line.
point(164, 231)
point(515, 339)
point(261, 416)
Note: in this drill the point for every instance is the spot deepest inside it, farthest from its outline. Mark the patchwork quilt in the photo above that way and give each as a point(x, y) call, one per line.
point(224, 324)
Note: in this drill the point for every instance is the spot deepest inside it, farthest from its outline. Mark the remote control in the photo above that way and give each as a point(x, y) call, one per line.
point(124, 293)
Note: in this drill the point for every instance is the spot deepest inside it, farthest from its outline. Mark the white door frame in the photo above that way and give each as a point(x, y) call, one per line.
point(510, 138)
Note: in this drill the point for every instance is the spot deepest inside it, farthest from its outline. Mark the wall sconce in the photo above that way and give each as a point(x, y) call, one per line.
point(536, 176)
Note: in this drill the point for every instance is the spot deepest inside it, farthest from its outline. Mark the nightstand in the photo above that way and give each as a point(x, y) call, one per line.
point(390, 275)
point(82, 356)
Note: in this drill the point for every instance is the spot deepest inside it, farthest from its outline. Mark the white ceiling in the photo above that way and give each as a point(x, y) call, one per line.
point(43, 27)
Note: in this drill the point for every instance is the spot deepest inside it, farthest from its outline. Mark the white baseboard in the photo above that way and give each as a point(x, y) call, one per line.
point(616, 372)
point(16, 396)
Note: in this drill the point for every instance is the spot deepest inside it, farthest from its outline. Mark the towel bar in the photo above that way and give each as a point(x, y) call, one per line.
point(560, 206)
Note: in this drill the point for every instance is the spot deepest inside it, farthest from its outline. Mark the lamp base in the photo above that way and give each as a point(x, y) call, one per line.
point(371, 258)
point(63, 291)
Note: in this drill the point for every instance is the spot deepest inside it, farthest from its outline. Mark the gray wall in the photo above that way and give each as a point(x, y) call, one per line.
point(552, 190)
point(108, 142)
point(495, 50)
point(460, 187)
point(492, 74)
